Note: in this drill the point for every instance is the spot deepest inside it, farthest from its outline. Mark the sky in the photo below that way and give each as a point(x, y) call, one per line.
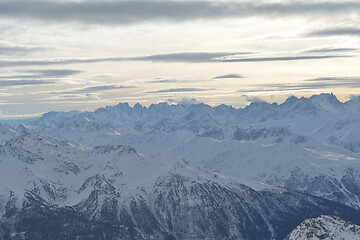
point(85, 54)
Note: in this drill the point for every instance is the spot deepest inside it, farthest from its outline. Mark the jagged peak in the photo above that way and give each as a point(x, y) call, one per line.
point(158, 105)
point(326, 97)
point(114, 116)
point(317, 100)
point(261, 104)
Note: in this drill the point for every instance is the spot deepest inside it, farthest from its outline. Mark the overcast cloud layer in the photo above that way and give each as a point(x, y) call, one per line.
point(124, 12)
point(84, 54)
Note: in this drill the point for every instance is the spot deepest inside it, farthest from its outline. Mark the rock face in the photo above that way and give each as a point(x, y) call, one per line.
point(326, 228)
point(54, 189)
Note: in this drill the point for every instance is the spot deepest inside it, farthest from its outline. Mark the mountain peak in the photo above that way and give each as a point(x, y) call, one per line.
point(325, 227)
point(326, 102)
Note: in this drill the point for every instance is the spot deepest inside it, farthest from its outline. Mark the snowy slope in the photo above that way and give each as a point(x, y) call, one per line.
point(6, 133)
point(55, 189)
point(299, 166)
point(327, 228)
point(61, 172)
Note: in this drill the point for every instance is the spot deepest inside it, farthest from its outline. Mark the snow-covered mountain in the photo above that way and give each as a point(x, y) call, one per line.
point(56, 189)
point(304, 144)
point(326, 228)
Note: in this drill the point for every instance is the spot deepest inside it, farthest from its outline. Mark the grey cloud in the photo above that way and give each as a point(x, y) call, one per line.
point(309, 84)
point(188, 101)
point(56, 61)
point(286, 58)
point(176, 90)
point(336, 32)
point(191, 57)
point(92, 89)
point(187, 57)
point(229, 76)
point(253, 99)
point(36, 74)
point(174, 81)
point(9, 83)
point(184, 101)
point(331, 50)
point(103, 88)
point(335, 79)
point(167, 80)
point(125, 12)
point(17, 50)
point(54, 72)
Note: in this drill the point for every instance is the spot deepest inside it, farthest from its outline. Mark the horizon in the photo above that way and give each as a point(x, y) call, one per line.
point(181, 103)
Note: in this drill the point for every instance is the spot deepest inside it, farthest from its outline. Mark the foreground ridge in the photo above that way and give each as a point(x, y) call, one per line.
point(326, 228)
point(55, 189)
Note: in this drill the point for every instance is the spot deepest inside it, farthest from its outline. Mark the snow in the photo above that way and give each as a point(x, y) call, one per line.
point(65, 174)
point(309, 145)
point(326, 228)
point(262, 144)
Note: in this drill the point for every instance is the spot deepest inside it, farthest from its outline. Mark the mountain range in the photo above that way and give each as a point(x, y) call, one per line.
point(186, 171)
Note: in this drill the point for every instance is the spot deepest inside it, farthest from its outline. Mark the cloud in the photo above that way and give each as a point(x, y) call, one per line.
point(336, 32)
point(253, 99)
point(9, 83)
point(188, 101)
point(330, 50)
point(128, 12)
point(167, 80)
point(92, 89)
point(5, 116)
point(168, 57)
point(229, 76)
point(177, 90)
point(36, 74)
point(284, 58)
point(309, 84)
point(174, 81)
point(18, 50)
point(192, 57)
point(334, 79)
point(54, 72)
point(53, 61)
point(187, 57)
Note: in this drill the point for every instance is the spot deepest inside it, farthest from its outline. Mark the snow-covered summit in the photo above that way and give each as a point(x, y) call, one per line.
point(325, 228)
